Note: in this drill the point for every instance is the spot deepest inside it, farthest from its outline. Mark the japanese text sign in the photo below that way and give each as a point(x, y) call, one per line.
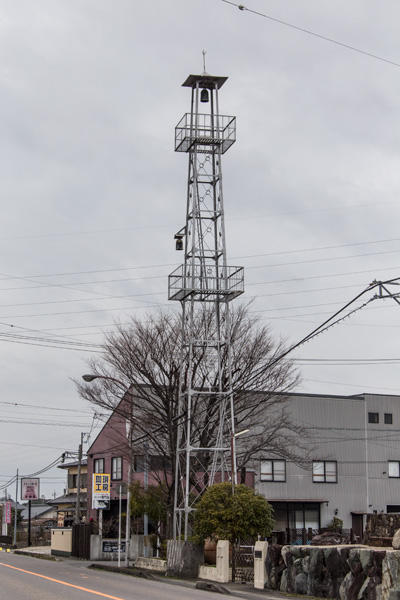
point(101, 486)
point(8, 512)
point(30, 488)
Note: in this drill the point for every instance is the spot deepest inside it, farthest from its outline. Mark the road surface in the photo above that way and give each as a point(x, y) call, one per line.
point(28, 578)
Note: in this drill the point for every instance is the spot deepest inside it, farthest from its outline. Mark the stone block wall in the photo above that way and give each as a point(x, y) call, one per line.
point(381, 526)
point(340, 572)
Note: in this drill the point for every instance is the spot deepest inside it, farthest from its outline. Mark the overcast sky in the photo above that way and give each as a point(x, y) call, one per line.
point(92, 191)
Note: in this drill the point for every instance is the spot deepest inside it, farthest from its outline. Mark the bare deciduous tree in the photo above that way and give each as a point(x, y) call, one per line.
point(145, 357)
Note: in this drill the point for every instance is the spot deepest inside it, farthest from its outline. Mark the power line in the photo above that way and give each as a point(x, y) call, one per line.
point(327, 259)
point(173, 226)
point(327, 324)
point(74, 410)
point(30, 445)
point(62, 286)
point(352, 361)
point(51, 423)
point(359, 386)
point(13, 479)
point(317, 35)
point(323, 276)
point(51, 344)
point(131, 296)
point(63, 274)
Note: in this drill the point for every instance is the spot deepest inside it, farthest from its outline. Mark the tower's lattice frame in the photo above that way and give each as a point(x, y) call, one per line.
point(204, 284)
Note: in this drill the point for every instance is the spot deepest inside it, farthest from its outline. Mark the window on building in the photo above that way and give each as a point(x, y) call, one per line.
point(324, 471)
point(154, 463)
point(98, 466)
point(273, 470)
point(296, 515)
point(159, 463)
point(73, 481)
point(373, 417)
point(138, 464)
point(116, 467)
point(388, 419)
point(394, 468)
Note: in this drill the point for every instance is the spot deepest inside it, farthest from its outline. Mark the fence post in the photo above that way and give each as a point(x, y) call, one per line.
point(288, 535)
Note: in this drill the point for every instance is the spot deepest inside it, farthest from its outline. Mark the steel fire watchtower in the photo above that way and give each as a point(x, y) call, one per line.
point(204, 285)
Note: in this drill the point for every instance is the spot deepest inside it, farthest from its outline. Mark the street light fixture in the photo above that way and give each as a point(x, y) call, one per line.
point(233, 458)
point(89, 378)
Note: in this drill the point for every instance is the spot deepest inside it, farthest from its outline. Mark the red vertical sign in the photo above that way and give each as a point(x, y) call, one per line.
point(8, 512)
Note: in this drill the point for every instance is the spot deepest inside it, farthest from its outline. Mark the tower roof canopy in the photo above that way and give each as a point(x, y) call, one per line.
point(205, 80)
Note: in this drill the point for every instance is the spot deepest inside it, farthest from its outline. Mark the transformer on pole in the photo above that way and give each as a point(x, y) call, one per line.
point(204, 285)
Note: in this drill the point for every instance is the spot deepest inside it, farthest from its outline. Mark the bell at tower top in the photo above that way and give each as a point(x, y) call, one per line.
point(205, 81)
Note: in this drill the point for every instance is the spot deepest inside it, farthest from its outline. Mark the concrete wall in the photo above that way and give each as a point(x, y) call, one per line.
point(61, 542)
point(184, 559)
point(152, 564)
point(210, 573)
point(136, 548)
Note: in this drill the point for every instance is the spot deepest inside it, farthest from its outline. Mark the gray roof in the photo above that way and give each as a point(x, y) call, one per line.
point(36, 511)
point(68, 498)
point(73, 464)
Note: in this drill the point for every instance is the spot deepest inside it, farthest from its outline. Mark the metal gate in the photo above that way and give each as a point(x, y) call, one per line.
point(81, 540)
point(243, 560)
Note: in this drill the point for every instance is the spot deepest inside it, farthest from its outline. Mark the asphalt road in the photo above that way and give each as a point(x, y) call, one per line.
point(28, 578)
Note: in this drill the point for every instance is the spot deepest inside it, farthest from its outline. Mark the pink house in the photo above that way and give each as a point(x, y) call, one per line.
point(111, 453)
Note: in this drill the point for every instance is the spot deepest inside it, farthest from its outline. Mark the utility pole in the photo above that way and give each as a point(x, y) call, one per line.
point(128, 494)
point(78, 484)
point(128, 489)
point(146, 487)
point(16, 511)
point(203, 282)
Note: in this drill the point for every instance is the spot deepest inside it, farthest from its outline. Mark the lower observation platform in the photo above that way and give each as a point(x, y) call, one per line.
point(205, 283)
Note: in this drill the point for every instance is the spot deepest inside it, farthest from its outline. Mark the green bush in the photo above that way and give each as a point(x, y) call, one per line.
point(222, 515)
point(335, 525)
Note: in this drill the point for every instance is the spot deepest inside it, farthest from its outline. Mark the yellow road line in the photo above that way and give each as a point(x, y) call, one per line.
point(63, 583)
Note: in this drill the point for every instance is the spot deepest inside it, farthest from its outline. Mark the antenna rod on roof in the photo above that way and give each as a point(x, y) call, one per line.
point(204, 52)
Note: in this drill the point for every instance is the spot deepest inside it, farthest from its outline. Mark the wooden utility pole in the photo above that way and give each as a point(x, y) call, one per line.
point(78, 515)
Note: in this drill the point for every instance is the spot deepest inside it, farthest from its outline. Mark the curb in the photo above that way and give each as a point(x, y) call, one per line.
point(212, 587)
point(35, 555)
point(206, 586)
point(124, 570)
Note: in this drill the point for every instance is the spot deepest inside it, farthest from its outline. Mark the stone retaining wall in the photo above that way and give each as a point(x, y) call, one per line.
point(153, 564)
point(342, 572)
point(210, 573)
point(381, 526)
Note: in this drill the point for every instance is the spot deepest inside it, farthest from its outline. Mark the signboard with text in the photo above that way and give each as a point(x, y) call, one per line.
point(111, 546)
point(8, 512)
point(30, 488)
point(101, 490)
point(101, 504)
